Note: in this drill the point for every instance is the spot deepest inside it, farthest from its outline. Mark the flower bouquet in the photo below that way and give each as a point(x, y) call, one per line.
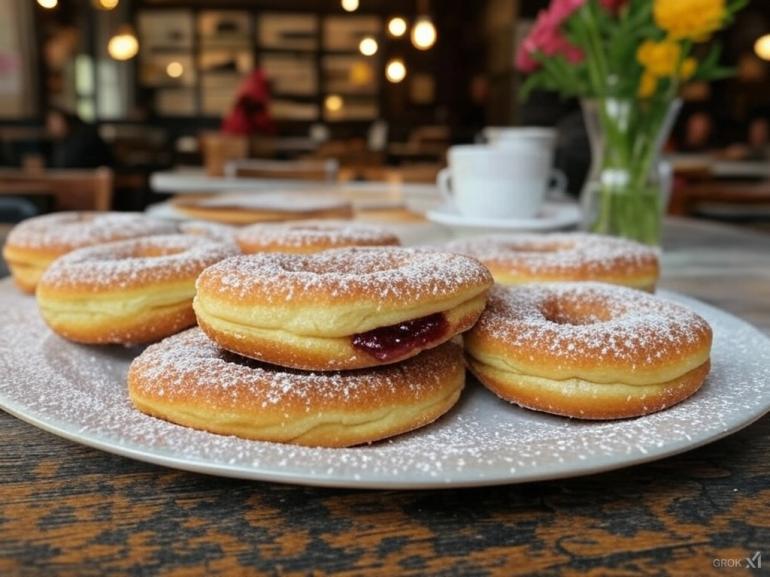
point(627, 60)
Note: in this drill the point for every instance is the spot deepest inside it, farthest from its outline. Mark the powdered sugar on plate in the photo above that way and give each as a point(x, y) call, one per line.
point(79, 392)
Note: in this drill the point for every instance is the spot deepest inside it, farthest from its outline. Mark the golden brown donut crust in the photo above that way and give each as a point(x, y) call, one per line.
point(303, 310)
point(387, 277)
point(588, 350)
point(590, 401)
point(529, 258)
point(326, 354)
point(33, 244)
point(308, 236)
point(187, 380)
point(126, 292)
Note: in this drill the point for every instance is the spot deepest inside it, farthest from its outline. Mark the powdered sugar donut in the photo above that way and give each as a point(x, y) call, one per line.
point(188, 380)
point(210, 230)
point(340, 309)
point(588, 350)
point(523, 258)
point(126, 292)
point(308, 236)
point(35, 243)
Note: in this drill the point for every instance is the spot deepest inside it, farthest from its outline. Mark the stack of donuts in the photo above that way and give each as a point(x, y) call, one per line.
point(328, 333)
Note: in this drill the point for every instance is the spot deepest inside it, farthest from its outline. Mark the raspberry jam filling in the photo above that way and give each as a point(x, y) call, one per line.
point(395, 341)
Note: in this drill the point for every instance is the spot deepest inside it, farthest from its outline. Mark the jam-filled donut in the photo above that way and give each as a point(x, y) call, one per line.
point(525, 258)
point(311, 236)
point(588, 350)
point(35, 243)
point(127, 292)
point(188, 380)
point(340, 309)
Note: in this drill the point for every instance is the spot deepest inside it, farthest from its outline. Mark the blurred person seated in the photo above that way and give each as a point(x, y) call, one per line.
point(757, 145)
point(251, 112)
point(698, 133)
point(74, 144)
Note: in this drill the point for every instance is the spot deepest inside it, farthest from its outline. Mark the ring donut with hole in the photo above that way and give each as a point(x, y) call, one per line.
point(525, 258)
point(588, 350)
point(33, 244)
point(127, 292)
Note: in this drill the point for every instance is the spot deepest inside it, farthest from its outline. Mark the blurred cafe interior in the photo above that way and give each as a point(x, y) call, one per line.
point(103, 101)
point(228, 181)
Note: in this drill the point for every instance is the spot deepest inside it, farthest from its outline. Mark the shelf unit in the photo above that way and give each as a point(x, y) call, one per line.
point(315, 50)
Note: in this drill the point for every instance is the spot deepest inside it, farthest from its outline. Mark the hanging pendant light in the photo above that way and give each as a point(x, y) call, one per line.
point(105, 4)
point(397, 27)
point(368, 46)
point(423, 31)
point(124, 44)
point(395, 71)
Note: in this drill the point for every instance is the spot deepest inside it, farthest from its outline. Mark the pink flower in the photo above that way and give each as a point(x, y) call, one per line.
point(562, 9)
point(546, 38)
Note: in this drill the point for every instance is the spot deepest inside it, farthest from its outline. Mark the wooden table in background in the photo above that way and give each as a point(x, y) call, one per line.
point(73, 511)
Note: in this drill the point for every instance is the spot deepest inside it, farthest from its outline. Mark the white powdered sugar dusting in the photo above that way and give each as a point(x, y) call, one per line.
point(70, 230)
point(399, 275)
point(211, 230)
point(135, 262)
point(608, 323)
point(557, 253)
point(309, 233)
point(80, 392)
point(189, 365)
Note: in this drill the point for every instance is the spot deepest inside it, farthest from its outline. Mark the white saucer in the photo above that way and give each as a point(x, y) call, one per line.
point(553, 216)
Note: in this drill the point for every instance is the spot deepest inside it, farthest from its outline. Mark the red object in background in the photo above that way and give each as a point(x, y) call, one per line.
point(251, 112)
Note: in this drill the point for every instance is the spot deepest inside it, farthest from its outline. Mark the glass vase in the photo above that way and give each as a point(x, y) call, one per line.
point(628, 187)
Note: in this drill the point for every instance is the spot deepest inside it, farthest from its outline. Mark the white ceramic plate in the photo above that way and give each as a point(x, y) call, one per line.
point(79, 393)
point(553, 216)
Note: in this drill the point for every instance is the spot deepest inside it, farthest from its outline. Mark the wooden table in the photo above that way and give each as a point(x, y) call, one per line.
point(73, 511)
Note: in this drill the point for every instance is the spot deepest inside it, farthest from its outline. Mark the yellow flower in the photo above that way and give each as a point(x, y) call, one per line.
point(691, 19)
point(659, 58)
point(688, 68)
point(647, 85)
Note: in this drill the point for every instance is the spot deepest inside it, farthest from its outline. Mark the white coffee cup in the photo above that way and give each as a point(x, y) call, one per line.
point(496, 181)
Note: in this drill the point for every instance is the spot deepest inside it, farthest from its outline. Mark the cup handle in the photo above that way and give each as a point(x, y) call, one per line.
point(443, 182)
point(558, 183)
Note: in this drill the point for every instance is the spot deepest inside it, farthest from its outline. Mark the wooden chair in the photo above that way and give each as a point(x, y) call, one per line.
point(218, 149)
point(72, 189)
point(317, 170)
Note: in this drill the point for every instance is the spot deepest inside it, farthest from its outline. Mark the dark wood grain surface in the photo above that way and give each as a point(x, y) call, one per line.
point(73, 511)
